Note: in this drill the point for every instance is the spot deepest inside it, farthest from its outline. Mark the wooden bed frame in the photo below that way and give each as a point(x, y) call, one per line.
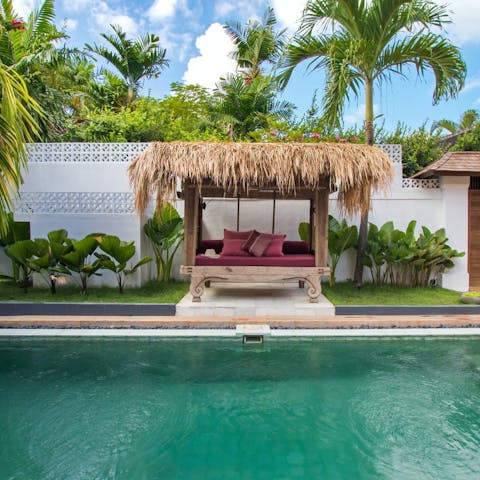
point(201, 276)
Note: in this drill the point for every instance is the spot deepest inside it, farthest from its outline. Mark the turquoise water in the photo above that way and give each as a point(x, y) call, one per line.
point(214, 409)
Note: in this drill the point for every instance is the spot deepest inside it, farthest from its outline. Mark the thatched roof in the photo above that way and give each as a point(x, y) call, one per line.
point(351, 169)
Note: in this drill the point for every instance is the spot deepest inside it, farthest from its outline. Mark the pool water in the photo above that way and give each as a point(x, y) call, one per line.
point(215, 409)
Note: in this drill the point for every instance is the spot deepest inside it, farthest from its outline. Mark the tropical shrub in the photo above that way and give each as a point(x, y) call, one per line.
point(77, 260)
point(166, 232)
point(15, 231)
point(47, 258)
point(400, 258)
point(115, 257)
point(341, 237)
point(21, 253)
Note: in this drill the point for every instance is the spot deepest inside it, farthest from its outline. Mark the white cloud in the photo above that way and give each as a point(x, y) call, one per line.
point(358, 115)
point(161, 9)
point(105, 16)
point(24, 7)
point(70, 24)
point(466, 18)
point(214, 60)
point(472, 84)
point(75, 5)
point(240, 9)
point(289, 12)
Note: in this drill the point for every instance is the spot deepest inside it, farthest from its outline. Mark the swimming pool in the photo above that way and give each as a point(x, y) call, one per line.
point(215, 409)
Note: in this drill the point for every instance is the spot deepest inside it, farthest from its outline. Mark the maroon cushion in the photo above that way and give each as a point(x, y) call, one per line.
point(247, 244)
point(205, 245)
point(260, 245)
point(233, 248)
point(250, 261)
point(296, 247)
point(233, 234)
point(275, 249)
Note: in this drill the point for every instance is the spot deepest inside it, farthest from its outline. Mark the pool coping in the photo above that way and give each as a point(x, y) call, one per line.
point(234, 333)
point(169, 309)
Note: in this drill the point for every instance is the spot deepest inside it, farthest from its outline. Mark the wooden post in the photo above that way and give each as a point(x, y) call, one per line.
point(191, 222)
point(200, 220)
point(321, 227)
point(311, 224)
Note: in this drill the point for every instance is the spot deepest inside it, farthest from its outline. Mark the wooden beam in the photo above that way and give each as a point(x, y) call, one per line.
point(321, 227)
point(191, 222)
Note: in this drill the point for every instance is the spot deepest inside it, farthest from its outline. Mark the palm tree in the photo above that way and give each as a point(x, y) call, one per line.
point(360, 44)
point(247, 106)
point(134, 60)
point(256, 43)
point(17, 127)
point(467, 121)
point(29, 47)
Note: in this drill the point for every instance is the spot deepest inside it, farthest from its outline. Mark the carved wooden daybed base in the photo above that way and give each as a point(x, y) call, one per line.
point(203, 274)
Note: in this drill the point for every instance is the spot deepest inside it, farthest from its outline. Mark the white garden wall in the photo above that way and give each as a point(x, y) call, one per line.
point(84, 188)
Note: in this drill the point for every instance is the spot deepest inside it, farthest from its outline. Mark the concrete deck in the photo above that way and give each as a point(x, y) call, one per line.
point(260, 299)
point(278, 322)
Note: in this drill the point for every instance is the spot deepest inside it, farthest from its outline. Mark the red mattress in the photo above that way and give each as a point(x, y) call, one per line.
point(285, 261)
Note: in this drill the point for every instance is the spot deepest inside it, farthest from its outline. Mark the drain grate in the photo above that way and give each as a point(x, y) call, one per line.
point(253, 339)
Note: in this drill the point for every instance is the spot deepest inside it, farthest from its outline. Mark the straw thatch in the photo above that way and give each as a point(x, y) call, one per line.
point(354, 170)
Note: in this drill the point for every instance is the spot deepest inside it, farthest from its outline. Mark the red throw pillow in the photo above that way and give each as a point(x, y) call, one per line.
point(260, 245)
point(234, 235)
point(232, 248)
point(275, 249)
point(247, 244)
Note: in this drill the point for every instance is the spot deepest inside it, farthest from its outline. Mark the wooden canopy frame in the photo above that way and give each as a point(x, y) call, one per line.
point(291, 171)
point(201, 276)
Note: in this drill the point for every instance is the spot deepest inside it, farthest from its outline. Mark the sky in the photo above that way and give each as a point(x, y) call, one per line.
point(199, 50)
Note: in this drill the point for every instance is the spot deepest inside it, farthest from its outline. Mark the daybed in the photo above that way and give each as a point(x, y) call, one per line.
point(297, 263)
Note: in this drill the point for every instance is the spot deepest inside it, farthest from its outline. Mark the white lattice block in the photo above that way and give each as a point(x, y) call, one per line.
point(84, 152)
point(393, 151)
point(418, 183)
point(75, 202)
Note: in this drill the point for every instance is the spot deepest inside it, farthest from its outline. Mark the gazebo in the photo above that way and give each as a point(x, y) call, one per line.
point(277, 171)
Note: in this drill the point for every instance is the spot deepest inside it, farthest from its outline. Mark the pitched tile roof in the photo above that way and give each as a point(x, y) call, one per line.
point(451, 164)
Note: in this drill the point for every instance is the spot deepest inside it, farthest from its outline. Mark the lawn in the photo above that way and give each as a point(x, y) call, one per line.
point(153, 292)
point(346, 293)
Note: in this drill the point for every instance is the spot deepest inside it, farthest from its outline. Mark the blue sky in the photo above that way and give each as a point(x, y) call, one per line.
point(198, 49)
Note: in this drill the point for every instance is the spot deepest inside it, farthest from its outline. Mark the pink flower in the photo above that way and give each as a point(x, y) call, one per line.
point(337, 138)
point(315, 135)
point(273, 132)
point(17, 25)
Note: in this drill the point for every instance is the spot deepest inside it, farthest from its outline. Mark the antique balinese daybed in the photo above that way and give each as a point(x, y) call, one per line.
point(277, 171)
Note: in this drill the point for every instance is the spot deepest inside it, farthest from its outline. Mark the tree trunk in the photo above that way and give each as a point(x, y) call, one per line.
point(363, 230)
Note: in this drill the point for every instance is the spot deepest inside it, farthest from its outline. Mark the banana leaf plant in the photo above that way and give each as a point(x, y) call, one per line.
point(16, 231)
point(78, 259)
point(115, 257)
point(166, 233)
point(341, 237)
point(22, 252)
point(47, 259)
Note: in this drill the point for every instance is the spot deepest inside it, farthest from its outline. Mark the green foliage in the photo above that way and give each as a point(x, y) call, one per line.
point(77, 260)
point(22, 252)
point(245, 105)
point(341, 237)
point(400, 258)
point(118, 253)
point(135, 60)
point(420, 147)
point(166, 232)
point(304, 231)
point(48, 255)
point(186, 115)
point(469, 141)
